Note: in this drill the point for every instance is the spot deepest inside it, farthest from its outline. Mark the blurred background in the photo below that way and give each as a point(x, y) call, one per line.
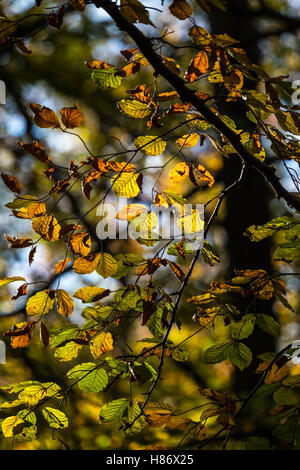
point(55, 75)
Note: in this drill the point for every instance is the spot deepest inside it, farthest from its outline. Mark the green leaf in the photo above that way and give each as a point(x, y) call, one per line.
point(55, 418)
point(114, 410)
point(134, 108)
point(155, 322)
point(268, 324)
point(259, 232)
point(91, 379)
point(217, 353)
point(286, 396)
point(106, 78)
point(243, 328)
point(180, 354)
point(288, 252)
point(8, 280)
point(240, 355)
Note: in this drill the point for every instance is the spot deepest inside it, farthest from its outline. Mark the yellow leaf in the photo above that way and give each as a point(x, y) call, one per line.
point(32, 395)
point(134, 108)
point(8, 280)
point(100, 344)
point(86, 265)
point(201, 177)
point(39, 304)
point(9, 424)
point(151, 144)
point(130, 212)
point(90, 294)
point(107, 265)
point(47, 227)
point(126, 184)
point(81, 243)
point(188, 140)
point(180, 172)
point(160, 200)
point(65, 303)
point(191, 223)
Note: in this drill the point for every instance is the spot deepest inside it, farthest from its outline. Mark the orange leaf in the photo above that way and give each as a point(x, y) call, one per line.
point(81, 243)
point(36, 150)
point(197, 67)
point(60, 266)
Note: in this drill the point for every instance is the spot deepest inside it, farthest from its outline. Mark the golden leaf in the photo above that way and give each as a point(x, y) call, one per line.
point(81, 243)
point(130, 212)
point(101, 343)
point(107, 265)
point(91, 294)
point(150, 144)
point(86, 265)
point(180, 172)
point(61, 265)
point(65, 303)
point(9, 424)
point(126, 184)
point(39, 304)
point(188, 140)
point(47, 227)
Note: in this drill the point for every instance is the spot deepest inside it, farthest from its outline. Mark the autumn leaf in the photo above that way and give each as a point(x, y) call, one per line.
point(134, 11)
point(150, 144)
point(36, 150)
point(71, 117)
point(197, 67)
point(201, 177)
point(87, 264)
point(188, 140)
point(101, 343)
point(81, 243)
point(78, 4)
point(44, 117)
point(12, 183)
point(61, 265)
point(179, 172)
point(65, 303)
point(181, 9)
point(39, 304)
point(126, 184)
point(20, 334)
point(107, 265)
point(14, 242)
point(91, 294)
point(47, 227)
point(130, 212)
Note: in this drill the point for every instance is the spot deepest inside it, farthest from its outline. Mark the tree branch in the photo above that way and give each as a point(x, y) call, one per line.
point(189, 96)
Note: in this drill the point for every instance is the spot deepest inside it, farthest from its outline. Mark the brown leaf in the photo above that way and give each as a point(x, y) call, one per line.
point(44, 335)
point(71, 117)
point(12, 183)
point(56, 19)
point(148, 308)
point(78, 4)
point(14, 242)
point(36, 150)
point(128, 53)
point(141, 93)
point(22, 290)
point(44, 117)
point(49, 172)
point(22, 46)
point(31, 255)
point(181, 9)
point(134, 11)
point(177, 270)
